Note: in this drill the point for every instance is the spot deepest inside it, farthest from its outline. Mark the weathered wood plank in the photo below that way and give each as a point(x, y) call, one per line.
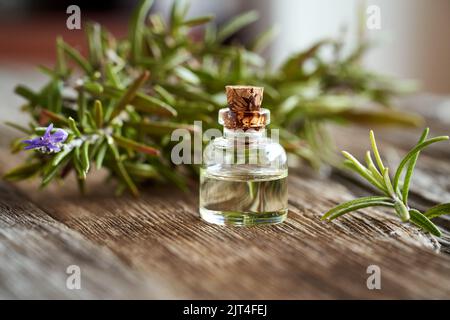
point(302, 258)
point(161, 233)
point(36, 250)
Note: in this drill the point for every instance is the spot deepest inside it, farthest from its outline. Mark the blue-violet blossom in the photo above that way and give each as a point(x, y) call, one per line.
point(49, 142)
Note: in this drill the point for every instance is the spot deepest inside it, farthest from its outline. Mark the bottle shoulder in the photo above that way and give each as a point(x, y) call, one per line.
point(261, 154)
point(261, 143)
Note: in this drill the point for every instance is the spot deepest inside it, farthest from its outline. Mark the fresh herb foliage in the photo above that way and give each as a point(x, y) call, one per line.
point(120, 102)
point(394, 191)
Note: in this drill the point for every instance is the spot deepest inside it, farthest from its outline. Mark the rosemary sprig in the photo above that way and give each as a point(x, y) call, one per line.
point(132, 93)
point(395, 192)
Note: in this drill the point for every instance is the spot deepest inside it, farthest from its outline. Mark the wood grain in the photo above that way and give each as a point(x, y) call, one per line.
point(156, 246)
point(160, 233)
point(36, 250)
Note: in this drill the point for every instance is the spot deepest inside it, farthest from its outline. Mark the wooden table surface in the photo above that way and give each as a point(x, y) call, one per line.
point(157, 247)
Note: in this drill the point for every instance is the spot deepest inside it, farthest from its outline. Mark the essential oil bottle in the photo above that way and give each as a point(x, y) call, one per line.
point(243, 179)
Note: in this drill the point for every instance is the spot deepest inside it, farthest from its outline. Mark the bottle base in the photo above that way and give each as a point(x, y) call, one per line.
point(243, 219)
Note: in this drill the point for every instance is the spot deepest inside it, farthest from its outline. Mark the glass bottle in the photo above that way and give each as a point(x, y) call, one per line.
point(243, 179)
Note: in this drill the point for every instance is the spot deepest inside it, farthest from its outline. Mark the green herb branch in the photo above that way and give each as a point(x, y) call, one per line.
point(394, 190)
point(120, 103)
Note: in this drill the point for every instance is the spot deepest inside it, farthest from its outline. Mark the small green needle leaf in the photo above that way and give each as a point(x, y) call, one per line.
point(141, 170)
point(413, 153)
point(262, 41)
point(410, 169)
point(27, 94)
point(82, 62)
point(137, 28)
point(363, 171)
point(130, 93)
point(357, 204)
point(18, 127)
point(236, 24)
point(178, 12)
point(401, 210)
point(93, 87)
point(165, 95)
point(371, 166)
point(438, 210)
point(388, 184)
point(61, 155)
point(376, 152)
point(198, 21)
point(101, 155)
point(98, 110)
point(125, 176)
point(77, 164)
point(73, 127)
point(128, 143)
point(54, 116)
point(423, 222)
point(61, 64)
point(22, 172)
point(84, 156)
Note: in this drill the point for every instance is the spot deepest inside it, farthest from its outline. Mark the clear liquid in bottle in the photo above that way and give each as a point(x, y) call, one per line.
point(243, 200)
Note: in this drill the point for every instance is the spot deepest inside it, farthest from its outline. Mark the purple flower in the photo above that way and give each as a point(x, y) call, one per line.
point(49, 142)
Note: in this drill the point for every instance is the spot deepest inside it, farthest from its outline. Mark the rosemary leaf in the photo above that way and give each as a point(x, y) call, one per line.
point(137, 29)
point(438, 210)
point(76, 57)
point(187, 81)
point(236, 24)
point(363, 171)
point(159, 128)
point(410, 169)
point(198, 21)
point(165, 95)
point(73, 126)
point(57, 118)
point(61, 64)
point(357, 204)
point(141, 170)
point(23, 171)
point(84, 156)
point(412, 153)
point(126, 178)
point(128, 143)
point(101, 155)
point(376, 152)
point(27, 94)
point(388, 184)
point(371, 166)
point(130, 93)
point(18, 127)
point(93, 87)
point(81, 107)
point(395, 199)
point(423, 222)
point(98, 109)
point(401, 210)
point(77, 164)
point(61, 155)
point(264, 39)
point(177, 13)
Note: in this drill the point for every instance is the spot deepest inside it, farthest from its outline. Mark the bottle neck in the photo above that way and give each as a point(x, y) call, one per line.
point(246, 135)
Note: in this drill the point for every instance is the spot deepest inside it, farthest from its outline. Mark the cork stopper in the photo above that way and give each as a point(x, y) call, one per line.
point(244, 108)
point(244, 98)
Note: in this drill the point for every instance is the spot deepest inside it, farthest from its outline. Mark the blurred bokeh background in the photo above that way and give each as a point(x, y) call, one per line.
point(413, 41)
